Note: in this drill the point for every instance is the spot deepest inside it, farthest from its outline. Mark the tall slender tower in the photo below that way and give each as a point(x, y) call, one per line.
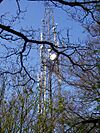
point(47, 67)
point(47, 34)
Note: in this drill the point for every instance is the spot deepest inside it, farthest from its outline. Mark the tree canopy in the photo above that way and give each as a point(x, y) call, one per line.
point(65, 98)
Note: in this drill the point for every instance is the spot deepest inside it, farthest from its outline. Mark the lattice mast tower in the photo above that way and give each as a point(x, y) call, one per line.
point(48, 33)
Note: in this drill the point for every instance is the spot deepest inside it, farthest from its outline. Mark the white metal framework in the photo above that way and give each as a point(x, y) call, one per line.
point(48, 33)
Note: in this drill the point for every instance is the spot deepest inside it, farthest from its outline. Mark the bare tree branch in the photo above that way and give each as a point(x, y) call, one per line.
point(19, 34)
point(1, 1)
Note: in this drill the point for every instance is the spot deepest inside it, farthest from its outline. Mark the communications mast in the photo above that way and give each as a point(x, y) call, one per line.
point(49, 67)
point(49, 34)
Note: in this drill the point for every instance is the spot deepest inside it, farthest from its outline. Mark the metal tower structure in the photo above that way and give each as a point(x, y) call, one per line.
point(48, 33)
point(49, 64)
